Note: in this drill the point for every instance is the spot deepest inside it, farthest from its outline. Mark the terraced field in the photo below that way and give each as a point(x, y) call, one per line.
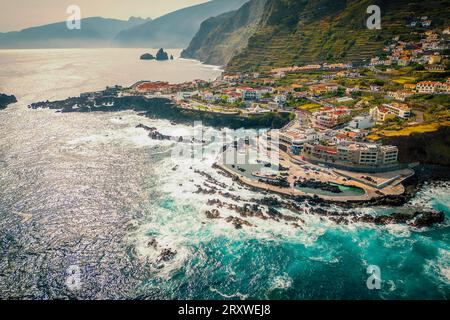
point(302, 32)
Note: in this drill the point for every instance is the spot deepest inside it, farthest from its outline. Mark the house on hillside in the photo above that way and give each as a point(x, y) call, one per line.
point(427, 87)
point(401, 110)
point(380, 114)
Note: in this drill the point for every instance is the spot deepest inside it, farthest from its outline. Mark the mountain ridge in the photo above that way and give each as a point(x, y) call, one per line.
point(94, 32)
point(175, 29)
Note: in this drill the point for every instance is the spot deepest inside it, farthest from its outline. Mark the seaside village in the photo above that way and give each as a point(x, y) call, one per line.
point(339, 113)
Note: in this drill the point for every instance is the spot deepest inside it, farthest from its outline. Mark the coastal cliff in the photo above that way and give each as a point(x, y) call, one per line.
point(5, 100)
point(175, 29)
point(426, 148)
point(310, 31)
point(222, 37)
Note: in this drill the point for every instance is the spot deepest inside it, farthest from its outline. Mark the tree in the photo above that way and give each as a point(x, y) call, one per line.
point(340, 92)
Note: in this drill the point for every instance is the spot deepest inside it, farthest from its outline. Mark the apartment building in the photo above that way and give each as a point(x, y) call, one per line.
point(427, 86)
point(352, 154)
point(389, 111)
point(249, 93)
point(185, 95)
point(401, 110)
point(329, 117)
point(381, 114)
point(361, 122)
point(294, 140)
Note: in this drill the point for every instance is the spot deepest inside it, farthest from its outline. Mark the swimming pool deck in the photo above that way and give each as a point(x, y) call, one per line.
point(385, 184)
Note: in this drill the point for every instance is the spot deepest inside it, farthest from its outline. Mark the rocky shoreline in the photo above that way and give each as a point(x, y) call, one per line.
point(403, 215)
point(271, 208)
point(154, 134)
point(417, 219)
point(165, 254)
point(163, 108)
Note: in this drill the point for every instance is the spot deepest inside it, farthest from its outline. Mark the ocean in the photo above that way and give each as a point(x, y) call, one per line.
point(88, 204)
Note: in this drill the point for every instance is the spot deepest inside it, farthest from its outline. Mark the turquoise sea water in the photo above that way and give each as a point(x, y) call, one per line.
point(322, 261)
point(333, 267)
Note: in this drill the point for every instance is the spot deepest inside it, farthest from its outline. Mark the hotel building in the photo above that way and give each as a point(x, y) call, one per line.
point(353, 156)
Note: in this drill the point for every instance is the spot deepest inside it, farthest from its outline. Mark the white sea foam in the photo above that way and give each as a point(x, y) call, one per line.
point(398, 230)
point(433, 193)
point(281, 282)
point(440, 268)
point(238, 295)
point(185, 227)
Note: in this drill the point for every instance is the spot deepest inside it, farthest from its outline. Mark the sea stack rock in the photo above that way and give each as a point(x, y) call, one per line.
point(147, 56)
point(161, 55)
point(5, 100)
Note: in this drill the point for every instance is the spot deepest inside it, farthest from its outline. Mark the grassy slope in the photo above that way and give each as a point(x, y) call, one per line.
point(305, 31)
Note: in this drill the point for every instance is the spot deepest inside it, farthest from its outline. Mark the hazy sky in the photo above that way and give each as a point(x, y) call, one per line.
point(19, 14)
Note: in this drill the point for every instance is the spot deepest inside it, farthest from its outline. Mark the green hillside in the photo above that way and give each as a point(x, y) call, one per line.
point(295, 32)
